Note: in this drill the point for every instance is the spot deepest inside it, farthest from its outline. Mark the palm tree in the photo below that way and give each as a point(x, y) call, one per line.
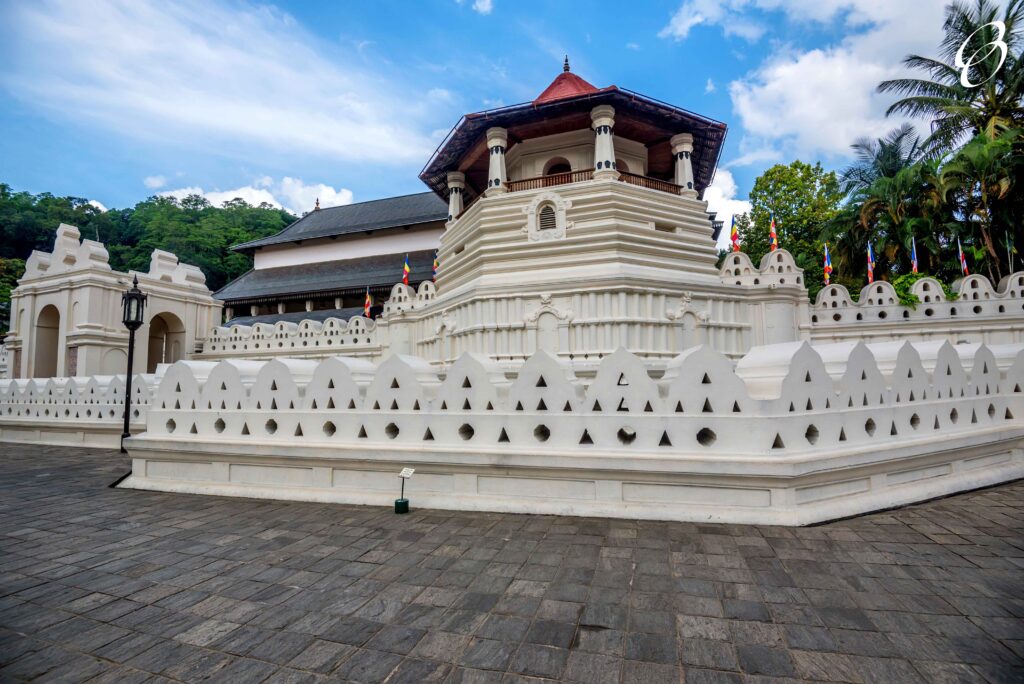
point(959, 112)
point(880, 158)
point(981, 175)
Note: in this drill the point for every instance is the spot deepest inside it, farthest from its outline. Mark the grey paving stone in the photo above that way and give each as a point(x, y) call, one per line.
point(396, 639)
point(539, 661)
point(636, 672)
point(92, 578)
point(763, 660)
point(651, 648)
point(488, 654)
point(592, 668)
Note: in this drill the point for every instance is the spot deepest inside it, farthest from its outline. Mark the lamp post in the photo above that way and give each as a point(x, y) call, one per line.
point(133, 304)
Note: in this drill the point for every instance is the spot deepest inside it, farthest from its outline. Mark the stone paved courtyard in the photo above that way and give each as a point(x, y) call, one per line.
point(106, 585)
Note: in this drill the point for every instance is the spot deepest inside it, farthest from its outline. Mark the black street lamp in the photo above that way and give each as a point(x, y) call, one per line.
point(133, 304)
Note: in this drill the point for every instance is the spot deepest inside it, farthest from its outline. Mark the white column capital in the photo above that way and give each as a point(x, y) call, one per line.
point(683, 142)
point(456, 179)
point(497, 137)
point(602, 115)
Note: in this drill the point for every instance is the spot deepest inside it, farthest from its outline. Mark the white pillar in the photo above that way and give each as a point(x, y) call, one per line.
point(252, 310)
point(337, 302)
point(497, 139)
point(682, 150)
point(456, 184)
point(309, 305)
point(602, 120)
point(280, 307)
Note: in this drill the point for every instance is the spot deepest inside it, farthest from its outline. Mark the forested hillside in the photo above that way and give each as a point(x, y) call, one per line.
point(192, 228)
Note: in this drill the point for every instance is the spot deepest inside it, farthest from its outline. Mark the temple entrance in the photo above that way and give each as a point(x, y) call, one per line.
point(47, 341)
point(166, 340)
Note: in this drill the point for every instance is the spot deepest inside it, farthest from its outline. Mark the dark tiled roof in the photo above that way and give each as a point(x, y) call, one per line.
point(391, 212)
point(328, 278)
point(297, 316)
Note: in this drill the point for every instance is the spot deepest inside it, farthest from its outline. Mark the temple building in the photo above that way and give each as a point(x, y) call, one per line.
point(322, 265)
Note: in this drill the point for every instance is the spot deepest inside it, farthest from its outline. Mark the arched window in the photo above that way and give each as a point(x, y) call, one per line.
point(557, 165)
point(547, 218)
point(621, 166)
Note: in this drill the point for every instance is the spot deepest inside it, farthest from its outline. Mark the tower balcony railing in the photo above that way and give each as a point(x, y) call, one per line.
point(568, 177)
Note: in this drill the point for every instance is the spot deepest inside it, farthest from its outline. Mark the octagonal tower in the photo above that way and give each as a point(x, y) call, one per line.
point(577, 225)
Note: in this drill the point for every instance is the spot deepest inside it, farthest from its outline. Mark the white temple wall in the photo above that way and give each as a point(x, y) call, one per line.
point(315, 251)
point(797, 437)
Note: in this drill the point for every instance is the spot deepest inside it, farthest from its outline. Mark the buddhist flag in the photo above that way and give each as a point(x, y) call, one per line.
point(827, 267)
point(405, 271)
point(734, 235)
point(871, 264)
point(435, 266)
point(963, 259)
point(913, 254)
point(772, 235)
point(367, 304)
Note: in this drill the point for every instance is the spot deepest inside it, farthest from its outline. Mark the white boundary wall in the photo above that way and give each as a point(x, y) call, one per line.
point(792, 435)
point(72, 411)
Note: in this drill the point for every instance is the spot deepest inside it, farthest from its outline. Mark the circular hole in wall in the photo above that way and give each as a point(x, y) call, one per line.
point(991, 411)
point(954, 416)
point(977, 309)
point(466, 431)
point(915, 421)
point(542, 433)
point(271, 426)
point(219, 425)
point(391, 430)
point(706, 437)
point(171, 425)
point(929, 312)
point(626, 435)
point(329, 429)
point(869, 427)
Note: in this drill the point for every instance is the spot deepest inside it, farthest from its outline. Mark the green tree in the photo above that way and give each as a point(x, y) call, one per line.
point(803, 198)
point(983, 173)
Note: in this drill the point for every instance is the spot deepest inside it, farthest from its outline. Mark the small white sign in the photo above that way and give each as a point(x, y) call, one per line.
point(406, 472)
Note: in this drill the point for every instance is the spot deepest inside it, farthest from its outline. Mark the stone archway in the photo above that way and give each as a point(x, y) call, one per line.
point(166, 340)
point(47, 342)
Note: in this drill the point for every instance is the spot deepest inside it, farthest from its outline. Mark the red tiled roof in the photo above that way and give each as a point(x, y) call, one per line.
point(566, 84)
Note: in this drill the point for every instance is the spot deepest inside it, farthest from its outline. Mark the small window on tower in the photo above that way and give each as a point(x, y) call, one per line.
point(547, 218)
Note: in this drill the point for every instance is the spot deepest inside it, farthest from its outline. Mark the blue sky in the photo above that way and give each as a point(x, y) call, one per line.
point(115, 101)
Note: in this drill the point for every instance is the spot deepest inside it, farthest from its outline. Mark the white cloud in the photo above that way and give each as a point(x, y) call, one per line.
point(154, 182)
point(237, 77)
point(290, 193)
point(817, 102)
point(723, 13)
point(632, 46)
point(710, 87)
point(99, 205)
point(483, 6)
point(721, 199)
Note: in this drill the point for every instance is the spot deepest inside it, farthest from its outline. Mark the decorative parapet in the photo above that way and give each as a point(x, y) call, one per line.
point(358, 336)
point(84, 410)
point(405, 298)
point(776, 269)
point(978, 312)
point(6, 362)
point(70, 253)
point(786, 411)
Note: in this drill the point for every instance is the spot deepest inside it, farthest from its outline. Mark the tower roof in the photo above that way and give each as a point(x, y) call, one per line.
point(566, 84)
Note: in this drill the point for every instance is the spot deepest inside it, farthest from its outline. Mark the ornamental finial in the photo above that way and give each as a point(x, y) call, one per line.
point(317, 207)
point(565, 64)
